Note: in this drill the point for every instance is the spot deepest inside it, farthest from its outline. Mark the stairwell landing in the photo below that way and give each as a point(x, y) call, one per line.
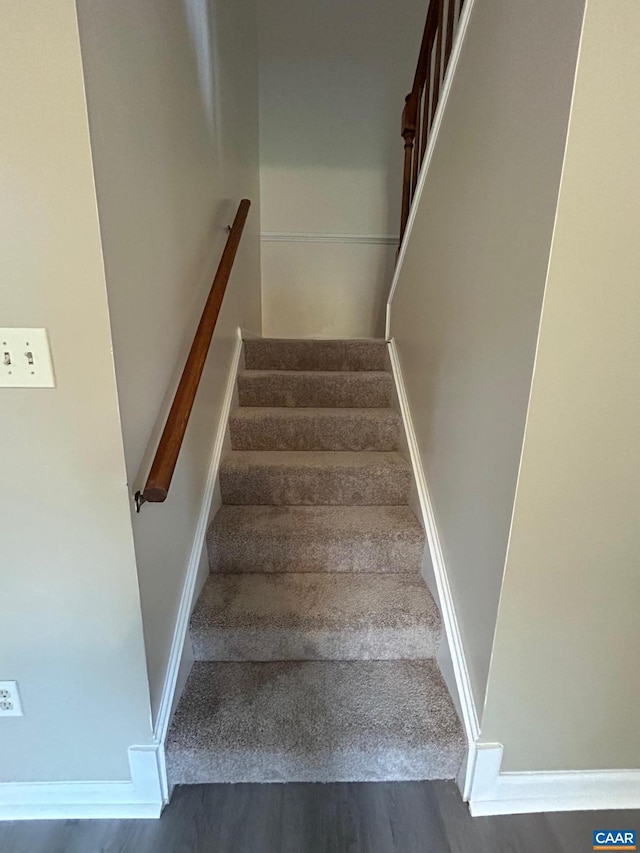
point(315, 636)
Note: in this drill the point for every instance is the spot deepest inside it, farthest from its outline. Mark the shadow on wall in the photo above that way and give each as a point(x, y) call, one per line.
point(203, 29)
point(332, 85)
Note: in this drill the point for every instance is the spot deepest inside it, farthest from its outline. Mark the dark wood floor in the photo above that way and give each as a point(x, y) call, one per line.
point(407, 817)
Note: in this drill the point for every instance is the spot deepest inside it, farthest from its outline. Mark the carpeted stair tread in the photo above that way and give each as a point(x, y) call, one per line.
point(315, 616)
point(315, 389)
point(315, 637)
point(314, 721)
point(309, 477)
point(314, 429)
point(315, 539)
point(290, 354)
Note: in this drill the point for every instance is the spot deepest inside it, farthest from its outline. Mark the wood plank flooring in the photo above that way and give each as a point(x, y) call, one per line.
point(390, 817)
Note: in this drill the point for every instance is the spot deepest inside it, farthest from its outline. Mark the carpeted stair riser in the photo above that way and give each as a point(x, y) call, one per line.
point(315, 539)
point(314, 721)
point(294, 478)
point(285, 354)
point(314, 429)
point(315, 389)
point(315, 617)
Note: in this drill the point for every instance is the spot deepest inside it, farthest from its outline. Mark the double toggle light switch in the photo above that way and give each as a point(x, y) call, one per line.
point(25, 359)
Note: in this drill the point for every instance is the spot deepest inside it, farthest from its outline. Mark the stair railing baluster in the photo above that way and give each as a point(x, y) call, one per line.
point(422, 101)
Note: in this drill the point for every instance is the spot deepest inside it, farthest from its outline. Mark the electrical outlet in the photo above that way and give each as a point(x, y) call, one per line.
point(25, 359)
point(10, 704)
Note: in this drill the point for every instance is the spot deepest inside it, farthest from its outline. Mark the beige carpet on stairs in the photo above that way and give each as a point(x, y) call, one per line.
point(315, 539)
point(315, 636)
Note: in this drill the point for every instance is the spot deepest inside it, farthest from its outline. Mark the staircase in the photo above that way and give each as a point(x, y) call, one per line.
point(315, 636)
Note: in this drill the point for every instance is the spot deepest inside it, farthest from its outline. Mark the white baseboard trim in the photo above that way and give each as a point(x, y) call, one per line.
point(141, 797)
point(186, 601)
point(445, 91)
point(448, 613)
point(298, 237)
point(496, 793)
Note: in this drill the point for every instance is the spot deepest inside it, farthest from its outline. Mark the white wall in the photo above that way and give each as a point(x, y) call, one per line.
point(69, 602)
point(467, 305)
point(173, 108)
point(564, 687)
point(333, 77)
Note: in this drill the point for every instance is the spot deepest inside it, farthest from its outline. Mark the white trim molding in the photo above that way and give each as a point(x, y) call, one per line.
point(447, 607)
point(495, 793)
point(298, 237)
point(142, 797)
point(167, 701)
point(445, 91)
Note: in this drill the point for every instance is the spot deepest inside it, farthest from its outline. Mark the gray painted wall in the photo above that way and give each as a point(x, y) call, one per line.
point(69, 602)
point(466, 309)
point(172, 91)
point(564, 686)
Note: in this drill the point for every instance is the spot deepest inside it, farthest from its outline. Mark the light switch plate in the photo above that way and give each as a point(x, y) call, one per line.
point(25, 359)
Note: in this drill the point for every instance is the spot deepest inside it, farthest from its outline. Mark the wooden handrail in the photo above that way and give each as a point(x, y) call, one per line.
point(164, 462)
point(422, 101)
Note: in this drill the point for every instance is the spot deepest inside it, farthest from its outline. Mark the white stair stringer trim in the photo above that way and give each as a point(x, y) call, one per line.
point(169, 699)
point(496, 793)
point(447, 607)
